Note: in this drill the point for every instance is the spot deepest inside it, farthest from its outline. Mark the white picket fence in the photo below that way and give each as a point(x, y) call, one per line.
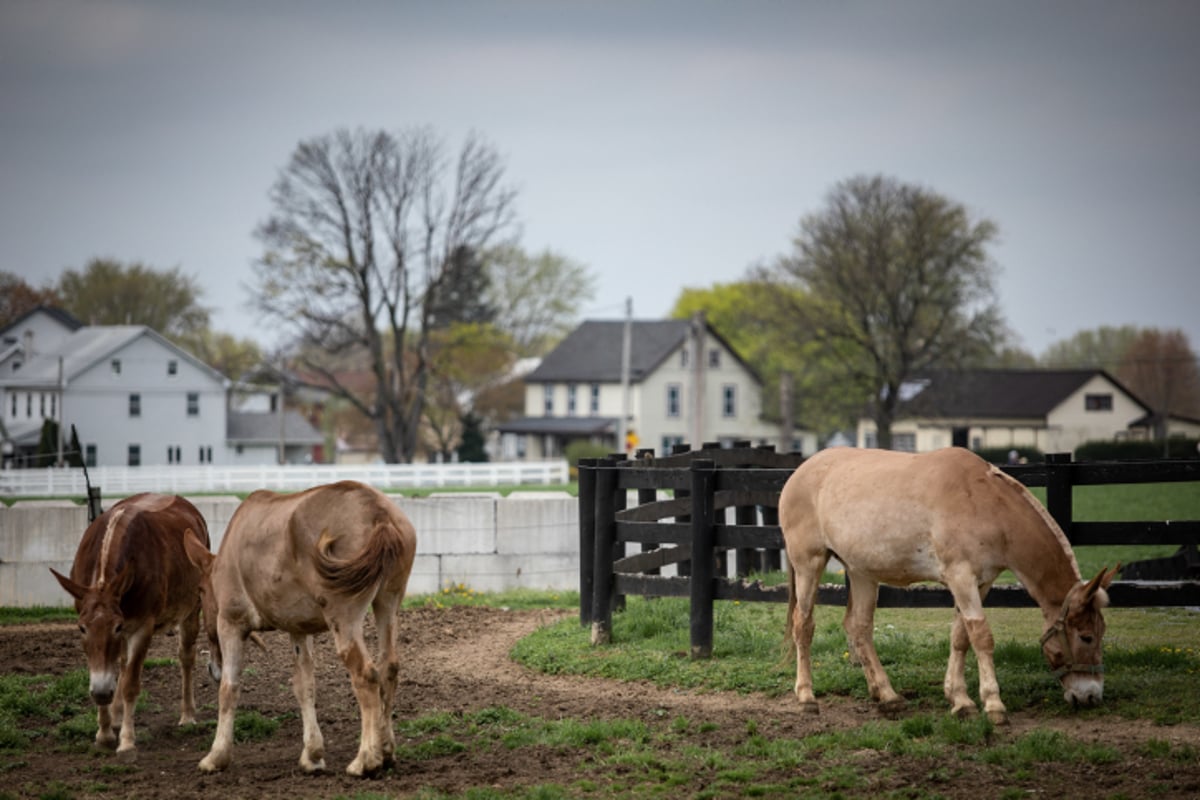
point(116, 481)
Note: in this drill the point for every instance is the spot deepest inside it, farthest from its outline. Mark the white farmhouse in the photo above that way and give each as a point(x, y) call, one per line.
point(685, 384)
point(134, 397)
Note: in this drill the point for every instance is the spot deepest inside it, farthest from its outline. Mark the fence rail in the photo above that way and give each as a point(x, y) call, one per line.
point(129, 480)
point(693, 531)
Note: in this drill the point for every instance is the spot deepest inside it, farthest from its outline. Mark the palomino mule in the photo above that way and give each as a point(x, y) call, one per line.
point(304, 563)
point(132, 578)
point(945, 516)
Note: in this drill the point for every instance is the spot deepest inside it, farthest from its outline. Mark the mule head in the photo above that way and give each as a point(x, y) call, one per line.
point(102, 626)
point(199, 554)
point(1073, 644)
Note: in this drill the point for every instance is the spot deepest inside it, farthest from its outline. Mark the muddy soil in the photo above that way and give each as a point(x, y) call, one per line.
point(456, 660)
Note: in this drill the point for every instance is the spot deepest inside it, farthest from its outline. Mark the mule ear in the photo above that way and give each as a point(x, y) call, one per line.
point(74, 589)
point(1107, 580)
point(197, 553)
point(1102, 580)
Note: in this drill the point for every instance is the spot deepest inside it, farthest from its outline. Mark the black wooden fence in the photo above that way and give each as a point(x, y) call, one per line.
point(703, 484)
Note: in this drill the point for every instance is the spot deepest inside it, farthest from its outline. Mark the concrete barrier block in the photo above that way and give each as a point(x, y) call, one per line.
point(217, 511)
point(498, 573)
point(537, 524)
point(42, 530)
point(426, 575)
point(452, 524)
point(26, 585)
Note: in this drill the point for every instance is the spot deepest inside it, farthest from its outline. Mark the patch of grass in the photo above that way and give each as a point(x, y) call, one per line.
point(26, 616)
point(460, 594)
point(1045, 746)
point(1145, 678)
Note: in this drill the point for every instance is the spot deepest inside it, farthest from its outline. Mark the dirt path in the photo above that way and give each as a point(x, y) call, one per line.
point(455, 660)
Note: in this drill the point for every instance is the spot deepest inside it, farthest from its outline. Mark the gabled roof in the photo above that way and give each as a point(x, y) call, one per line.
point(592, 352)
point(62, 317)
point(88, 346)
point(562, 426)
point(998, 393)
point(244, 427)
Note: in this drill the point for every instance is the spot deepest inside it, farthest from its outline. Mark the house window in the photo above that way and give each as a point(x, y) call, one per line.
point(240, 449)
point(714, 357)
point(135, 455)
point(669, 442)
point(42, 405)
point(548, 399)
point(594, 403)
point(172, 367)
point(904, 442)
point(174, 454)
point(14, 406)
point(193, 404)
point(89, 455)
point(135, 405)
point(29, 404)
point(683, 357)
point(205, 455)
point(522, 446)
point(54, 406)
point(729, 400)
point(571, 399)
point(673, 394)
point(1098, 402)
point(116, 366)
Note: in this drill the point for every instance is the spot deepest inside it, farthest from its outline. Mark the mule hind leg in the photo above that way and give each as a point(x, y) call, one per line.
point(232, 647)
point(189, 630)
point(364, 678)
point(805, 574)
point(312, 757)
point(859, 624)
point(384, 607)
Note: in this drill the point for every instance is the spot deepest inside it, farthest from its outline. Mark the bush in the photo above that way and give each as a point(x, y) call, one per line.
point(581, 448)
point(1177, 447)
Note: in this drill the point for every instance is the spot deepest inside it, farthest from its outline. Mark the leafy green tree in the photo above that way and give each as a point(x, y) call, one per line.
point(1101, 348)
point(537, 297)
point(17, 297)
point(894, 280)
point(107, 292)
point(366, 233)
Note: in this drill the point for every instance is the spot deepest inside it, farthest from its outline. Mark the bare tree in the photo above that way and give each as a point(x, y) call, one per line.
point(895, 280)
point(1161, 369)
point(359, 250)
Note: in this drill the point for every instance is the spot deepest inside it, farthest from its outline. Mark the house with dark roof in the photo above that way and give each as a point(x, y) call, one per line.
point(1052, 410)
point(134, 397)
point(685, 384)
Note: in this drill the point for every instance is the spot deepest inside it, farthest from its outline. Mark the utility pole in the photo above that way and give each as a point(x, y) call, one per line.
point(59, 413)
point(698, 328)
point(282, 441)
point(626, 350)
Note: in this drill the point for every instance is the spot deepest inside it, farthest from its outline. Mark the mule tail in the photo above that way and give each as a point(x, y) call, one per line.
point(787, 648)
point(363, 571)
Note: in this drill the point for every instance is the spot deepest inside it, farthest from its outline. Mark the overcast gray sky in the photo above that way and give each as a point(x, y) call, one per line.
point(664, 144)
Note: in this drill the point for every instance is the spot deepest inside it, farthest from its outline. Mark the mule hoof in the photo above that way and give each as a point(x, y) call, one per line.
point(107, 741)
point(312, 765)
point(362, 767)
point(998, 717)
point(210, 764)
point(187, 719)
point(893, 707)
point(810, 707)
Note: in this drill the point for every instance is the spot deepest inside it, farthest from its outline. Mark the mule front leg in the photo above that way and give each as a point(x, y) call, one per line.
point(189, 629)
point(859, 625)
point(968, 599)
point(130, 686)
point(106, 737)
point(364, 677)
point(232, 646)
point(955, 685)
point(312, 757)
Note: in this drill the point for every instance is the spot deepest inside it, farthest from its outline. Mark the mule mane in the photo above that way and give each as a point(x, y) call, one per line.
point(1041, 511)
point(105, 545)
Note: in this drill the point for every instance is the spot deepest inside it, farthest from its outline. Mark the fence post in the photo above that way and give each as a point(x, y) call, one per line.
point(703, 561)
point(1059, 495)
point(605, 537)
point(587, 537)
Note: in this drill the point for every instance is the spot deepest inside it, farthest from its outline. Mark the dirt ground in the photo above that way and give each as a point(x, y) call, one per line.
point(456, 660)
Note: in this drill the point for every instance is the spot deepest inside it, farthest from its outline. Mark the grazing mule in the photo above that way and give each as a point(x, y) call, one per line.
point(946, 516)
point(132, 578)
point(304, 563)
